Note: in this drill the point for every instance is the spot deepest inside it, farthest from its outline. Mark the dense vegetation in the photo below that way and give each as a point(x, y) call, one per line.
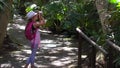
point(63, 16)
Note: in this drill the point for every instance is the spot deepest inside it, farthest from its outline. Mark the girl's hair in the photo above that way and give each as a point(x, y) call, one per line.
point(29, 20)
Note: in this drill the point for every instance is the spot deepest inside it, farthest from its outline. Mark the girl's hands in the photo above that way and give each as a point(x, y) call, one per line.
point(41, 20)
point(40, 15)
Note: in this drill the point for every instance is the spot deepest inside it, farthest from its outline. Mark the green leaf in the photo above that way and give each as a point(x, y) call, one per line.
point(31, 8)
point(28, 9)
point(114, 1)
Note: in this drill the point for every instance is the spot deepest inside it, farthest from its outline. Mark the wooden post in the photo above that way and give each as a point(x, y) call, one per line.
point(92, 57)
point(106, 60)
point(110, 57)
point(80, 52)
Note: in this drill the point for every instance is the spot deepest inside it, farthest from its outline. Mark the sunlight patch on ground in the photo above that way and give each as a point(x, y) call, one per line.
point(84, 56)
point(16, 26)
point(63, 39)
point(51, 57)
point(20, 21)
point(22, 27)
point(46, 46)
point(71, 54)
point(50, 44)
point(16, 52)
point(6, 65)
point(57, 63)
point(8, 28)
point(54, 51)
point(67, 39)
point(27, 45)
point(47, 41)
point(67, 43)
point(62, 62)
point(65, 59)
point(69, 48)
point(18, 56)
point(27, 51)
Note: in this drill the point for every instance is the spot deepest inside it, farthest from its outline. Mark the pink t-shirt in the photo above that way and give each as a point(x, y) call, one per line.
point(36, 40)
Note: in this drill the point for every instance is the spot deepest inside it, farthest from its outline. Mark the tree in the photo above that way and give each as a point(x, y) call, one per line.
point(4, 18)
point(101, 6)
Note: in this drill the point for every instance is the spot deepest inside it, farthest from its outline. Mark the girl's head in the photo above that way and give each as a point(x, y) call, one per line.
point(32, 16)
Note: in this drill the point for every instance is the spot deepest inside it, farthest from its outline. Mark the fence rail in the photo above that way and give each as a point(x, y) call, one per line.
point(107, 53)
point(113, 45)
point(91, 41)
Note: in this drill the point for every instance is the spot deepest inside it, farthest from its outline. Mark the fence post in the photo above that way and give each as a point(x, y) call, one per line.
point(92, 57)
point(80, 52)
point(110, 57)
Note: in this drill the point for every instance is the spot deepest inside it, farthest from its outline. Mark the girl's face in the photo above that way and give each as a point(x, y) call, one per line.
point(35, 17)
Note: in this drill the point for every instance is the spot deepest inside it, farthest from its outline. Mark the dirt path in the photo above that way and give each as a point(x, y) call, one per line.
point(57, 51)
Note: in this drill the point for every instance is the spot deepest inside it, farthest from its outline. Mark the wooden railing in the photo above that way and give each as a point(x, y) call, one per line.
point(112, 50)
point(94, 48)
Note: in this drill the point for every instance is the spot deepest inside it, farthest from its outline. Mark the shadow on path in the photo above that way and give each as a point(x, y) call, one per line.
point(56, 51)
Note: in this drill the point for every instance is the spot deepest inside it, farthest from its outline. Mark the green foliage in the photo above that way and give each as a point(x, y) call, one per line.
point(55, 13)
point(114, 1)
point(31, 8)
point(114, 20)
point(66, 15)
point(2, 4)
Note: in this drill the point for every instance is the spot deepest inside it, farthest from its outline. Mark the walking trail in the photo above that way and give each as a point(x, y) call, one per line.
point(57, 51)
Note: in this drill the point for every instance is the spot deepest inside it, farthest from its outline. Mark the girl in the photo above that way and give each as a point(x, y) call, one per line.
point(32, 17)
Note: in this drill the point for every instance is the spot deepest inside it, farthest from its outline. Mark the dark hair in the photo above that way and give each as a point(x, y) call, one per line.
point(29, 20)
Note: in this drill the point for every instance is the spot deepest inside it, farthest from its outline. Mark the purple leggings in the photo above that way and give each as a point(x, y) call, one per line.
point(31, 58)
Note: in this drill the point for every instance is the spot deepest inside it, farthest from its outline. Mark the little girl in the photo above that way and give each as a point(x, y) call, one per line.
point(32, 17)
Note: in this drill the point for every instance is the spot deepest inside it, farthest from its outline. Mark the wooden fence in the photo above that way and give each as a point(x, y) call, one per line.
point(94, 48)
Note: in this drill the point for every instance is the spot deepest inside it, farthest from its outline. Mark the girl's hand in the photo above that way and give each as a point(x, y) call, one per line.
point(40, 12)
point(42, 22)
point(40, 15)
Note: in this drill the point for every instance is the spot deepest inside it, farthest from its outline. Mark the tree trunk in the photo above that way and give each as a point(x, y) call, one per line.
point(101, 6)
point(4, 19)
